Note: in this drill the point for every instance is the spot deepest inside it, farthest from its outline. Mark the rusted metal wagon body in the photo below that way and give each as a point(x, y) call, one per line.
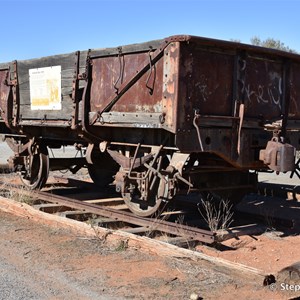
point(165, 117)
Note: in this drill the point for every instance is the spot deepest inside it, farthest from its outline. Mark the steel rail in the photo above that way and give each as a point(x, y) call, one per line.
point(188, 232)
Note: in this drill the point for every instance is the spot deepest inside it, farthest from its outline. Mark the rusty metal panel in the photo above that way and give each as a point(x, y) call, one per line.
point(294, 110)
point(262, 90)
point(207, 79)
point(108, 73)
point(5, 108)
point(205, 87)
point(171, 85)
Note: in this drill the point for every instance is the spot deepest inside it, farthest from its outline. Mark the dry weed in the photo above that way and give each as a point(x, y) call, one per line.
point(218, 216)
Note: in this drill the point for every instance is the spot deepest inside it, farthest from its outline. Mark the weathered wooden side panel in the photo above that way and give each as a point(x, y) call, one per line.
point(27, 87)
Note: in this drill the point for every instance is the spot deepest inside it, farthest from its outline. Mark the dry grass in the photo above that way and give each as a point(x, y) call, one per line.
point(22, 194)
point(218, 216)
point(100, 236)
point(157, 220)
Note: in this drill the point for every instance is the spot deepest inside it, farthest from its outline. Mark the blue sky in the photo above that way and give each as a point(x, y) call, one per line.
point(31, 29)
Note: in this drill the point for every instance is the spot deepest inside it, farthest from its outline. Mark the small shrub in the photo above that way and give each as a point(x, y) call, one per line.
point(123, 245)
point(218, 216)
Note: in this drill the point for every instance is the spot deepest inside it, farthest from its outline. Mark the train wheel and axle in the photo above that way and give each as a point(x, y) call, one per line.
point(36, 169)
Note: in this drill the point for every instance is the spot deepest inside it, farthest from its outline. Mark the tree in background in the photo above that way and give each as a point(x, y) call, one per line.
point(271, 43)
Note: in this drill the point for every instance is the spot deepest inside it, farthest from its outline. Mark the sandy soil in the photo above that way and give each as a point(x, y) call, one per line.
point(40, 261)
point(43, 262)
point(268, 252)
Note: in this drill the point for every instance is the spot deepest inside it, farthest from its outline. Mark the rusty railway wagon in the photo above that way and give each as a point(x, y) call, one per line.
point(169, 117)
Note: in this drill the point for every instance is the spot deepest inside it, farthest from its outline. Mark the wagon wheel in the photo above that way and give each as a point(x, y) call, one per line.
point(103, 168)
point(154, 203)
point(36, 170)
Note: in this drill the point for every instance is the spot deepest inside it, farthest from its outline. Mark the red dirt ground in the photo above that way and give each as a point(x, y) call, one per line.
point(49, 261)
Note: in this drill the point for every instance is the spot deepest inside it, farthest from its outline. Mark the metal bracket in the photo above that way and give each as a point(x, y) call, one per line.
point(122, 65)
point(279, 157)
point(196, 117)
point(14, 86)
point(152, 67)
point(149, 167)
point(178, 160)
point(88, 155)
point(75, 86)
point(241, 120)
point(127, 162)
point(296, 169)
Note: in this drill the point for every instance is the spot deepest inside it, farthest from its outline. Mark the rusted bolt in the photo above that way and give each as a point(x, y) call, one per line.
point(162, 118)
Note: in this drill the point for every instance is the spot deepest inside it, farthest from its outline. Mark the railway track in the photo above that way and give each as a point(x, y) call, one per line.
point(80, 200)
point(180, 224)
point(109, 210)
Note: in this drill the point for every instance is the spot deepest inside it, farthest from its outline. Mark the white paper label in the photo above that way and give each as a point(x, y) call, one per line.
point(45, 88)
